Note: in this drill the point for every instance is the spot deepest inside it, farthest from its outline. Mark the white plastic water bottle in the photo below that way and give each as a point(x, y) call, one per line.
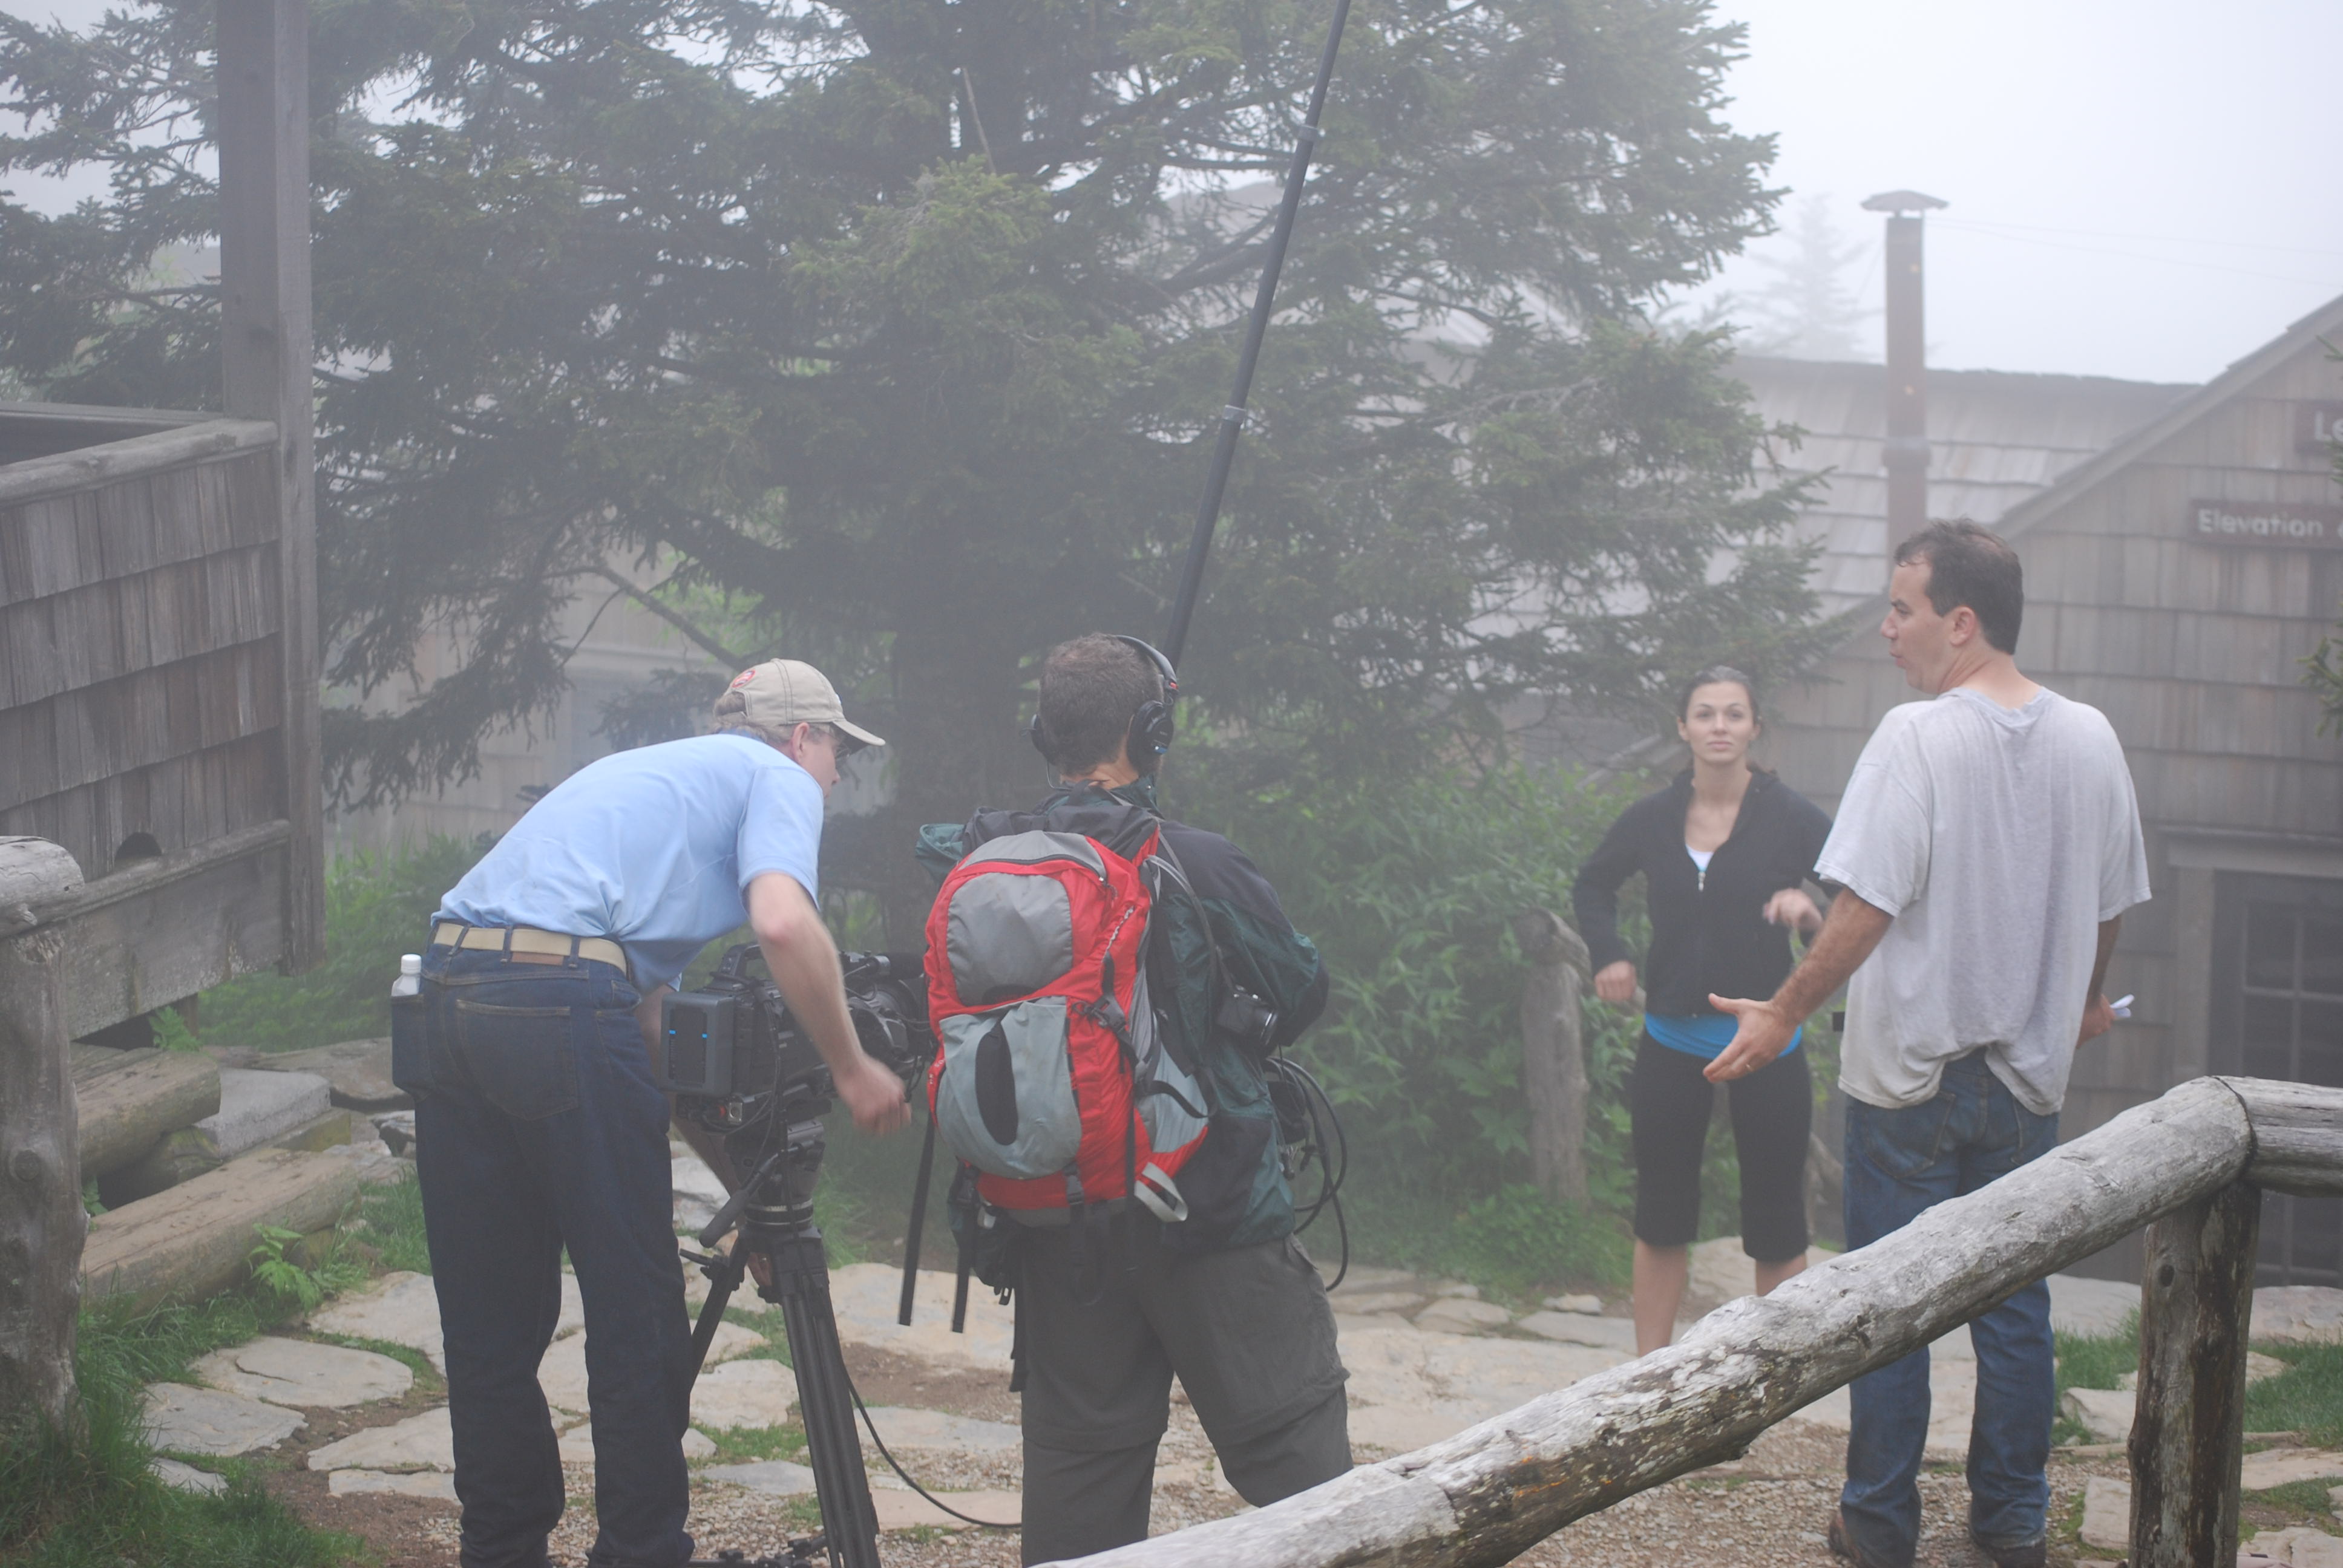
point(410, 976)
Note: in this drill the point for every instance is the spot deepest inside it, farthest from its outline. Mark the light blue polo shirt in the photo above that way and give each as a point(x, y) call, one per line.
point(654, 848)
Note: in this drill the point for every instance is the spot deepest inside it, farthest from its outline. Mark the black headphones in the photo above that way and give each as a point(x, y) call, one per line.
point(1150, 735)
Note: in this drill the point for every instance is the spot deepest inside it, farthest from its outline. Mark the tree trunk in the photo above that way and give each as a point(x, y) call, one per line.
point(2197, 1298)
point(41, 1216)
point(1554, 1054)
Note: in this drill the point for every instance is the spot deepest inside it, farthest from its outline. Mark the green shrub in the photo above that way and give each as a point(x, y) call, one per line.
point(376, 908)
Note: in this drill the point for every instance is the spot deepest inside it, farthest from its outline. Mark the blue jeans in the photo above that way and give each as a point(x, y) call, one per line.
point(1899, 1162)
point(538, 1127)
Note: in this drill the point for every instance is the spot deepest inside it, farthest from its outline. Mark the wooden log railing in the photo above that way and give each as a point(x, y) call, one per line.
point(2192, 1162)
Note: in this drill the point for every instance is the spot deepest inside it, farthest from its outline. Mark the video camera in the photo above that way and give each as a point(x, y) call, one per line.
point(735, 1054)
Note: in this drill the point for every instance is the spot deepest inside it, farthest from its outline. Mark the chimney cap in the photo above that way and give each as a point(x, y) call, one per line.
point(1902, 202)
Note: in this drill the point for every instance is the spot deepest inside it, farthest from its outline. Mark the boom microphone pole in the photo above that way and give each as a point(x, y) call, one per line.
point(1232, 415)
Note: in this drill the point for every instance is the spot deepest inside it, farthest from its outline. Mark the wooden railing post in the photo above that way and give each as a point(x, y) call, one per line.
point(42, 1221)
point(2197, 1298)
point(1554, 1054)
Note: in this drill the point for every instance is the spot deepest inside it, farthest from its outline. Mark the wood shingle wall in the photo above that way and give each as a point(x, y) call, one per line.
point(143, 699)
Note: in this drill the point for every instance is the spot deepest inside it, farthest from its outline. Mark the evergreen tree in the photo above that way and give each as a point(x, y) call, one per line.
point(1808, 310)
point(906, 323)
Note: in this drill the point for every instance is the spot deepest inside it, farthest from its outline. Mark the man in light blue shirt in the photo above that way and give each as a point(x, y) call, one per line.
point(538, 1123)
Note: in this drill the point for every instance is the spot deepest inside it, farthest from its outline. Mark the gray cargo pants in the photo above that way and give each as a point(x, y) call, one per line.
point(1250, 1334)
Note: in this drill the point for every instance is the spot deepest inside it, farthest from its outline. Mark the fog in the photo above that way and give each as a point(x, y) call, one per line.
point(2143, 190)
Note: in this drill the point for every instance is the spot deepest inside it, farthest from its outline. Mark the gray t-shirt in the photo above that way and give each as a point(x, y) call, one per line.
point(1999, 840)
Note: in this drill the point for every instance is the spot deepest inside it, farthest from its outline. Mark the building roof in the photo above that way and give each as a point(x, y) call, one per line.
point(1996, 440)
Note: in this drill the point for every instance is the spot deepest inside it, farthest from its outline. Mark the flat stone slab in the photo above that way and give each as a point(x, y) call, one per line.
point(186, 1477)
point(2107, 1413)
point(257, 1107)
point(773, 1477)
point(2081, 1306)
point(298, 1373)
point(435, 1485)
point(2280, 1466)
point(1363, 1302)
point(864, 1297)
point(699, 1191)
point(910, 1511)
point(1580, 1328)
point(744, 1393)
point(2298, 1315)
point(2300, 1546)
point(1410, 1386)
point(577, 1444)
point(206, 1420)
point(1462, 1315)
point(900, 1428)
point(562, 1373)
point(356, 1072)
point(1590, 1305)
point(401, 1308)
point(2107, 1515)
point(420, 1442)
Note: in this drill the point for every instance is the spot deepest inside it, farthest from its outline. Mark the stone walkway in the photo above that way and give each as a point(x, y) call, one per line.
point(1427, 1358)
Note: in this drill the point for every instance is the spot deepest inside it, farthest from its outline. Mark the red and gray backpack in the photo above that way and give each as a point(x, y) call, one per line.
point(1050, 1078)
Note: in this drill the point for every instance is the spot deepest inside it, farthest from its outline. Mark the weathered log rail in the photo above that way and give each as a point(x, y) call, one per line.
point(2193, 1163)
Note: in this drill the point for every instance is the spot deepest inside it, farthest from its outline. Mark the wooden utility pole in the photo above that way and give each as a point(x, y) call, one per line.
point(42, 1221)
point(1907, 365)
point(2187, 1440)
point(1554, 1054)
point(268, 363)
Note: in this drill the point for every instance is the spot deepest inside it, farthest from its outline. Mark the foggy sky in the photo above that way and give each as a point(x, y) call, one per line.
point(2142, 188)
point(2155, 186)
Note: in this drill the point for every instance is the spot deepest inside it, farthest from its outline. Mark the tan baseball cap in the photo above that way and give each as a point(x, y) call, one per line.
point(782, 692)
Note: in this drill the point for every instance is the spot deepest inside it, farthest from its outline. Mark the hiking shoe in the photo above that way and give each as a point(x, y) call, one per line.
point(2033, 1554)
point(1841, 1546)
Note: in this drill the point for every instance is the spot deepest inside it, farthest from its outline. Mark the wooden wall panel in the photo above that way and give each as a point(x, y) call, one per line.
point(80, 737)
point(112, 628)
point(58, 543)
point(181, 802)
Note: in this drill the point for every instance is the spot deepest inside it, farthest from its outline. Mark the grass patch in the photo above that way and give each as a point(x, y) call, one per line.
point(88, 1499)
point(393, 1213)
point(2097, 1361)
point(2300, 1497)
point(2091, 1360)
point(746, 1444)
point(2308, 1397)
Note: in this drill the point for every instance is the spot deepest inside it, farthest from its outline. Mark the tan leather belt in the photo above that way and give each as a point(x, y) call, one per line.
point(528, 944)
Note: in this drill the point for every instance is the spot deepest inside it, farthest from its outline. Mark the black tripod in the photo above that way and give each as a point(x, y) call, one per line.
point(774, 1212)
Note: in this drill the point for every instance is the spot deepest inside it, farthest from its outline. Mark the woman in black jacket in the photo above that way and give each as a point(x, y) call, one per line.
point(1725, 851)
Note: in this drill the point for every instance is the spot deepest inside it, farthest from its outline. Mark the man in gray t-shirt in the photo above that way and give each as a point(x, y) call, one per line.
point(1987, 846)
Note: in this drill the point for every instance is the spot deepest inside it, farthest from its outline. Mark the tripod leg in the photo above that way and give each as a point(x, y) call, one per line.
point(826, 1403)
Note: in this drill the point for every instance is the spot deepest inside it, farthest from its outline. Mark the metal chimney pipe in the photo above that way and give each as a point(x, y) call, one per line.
point(1907, 367)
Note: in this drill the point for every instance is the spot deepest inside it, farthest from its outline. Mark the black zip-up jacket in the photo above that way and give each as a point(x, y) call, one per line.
point(1709, 931)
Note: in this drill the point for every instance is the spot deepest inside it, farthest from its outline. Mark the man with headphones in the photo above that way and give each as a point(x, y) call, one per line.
point(1225, 1297)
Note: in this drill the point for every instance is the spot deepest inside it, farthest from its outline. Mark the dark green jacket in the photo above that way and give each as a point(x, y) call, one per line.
point(1235, 1184)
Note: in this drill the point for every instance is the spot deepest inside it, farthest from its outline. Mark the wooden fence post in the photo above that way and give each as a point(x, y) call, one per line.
point(42, 1221)
point(2197, 1298)
point(1554, 1054)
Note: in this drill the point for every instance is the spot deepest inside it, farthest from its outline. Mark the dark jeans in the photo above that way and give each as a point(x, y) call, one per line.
point(1249, 1334)
point(537, 1128)
point(1899, 1162)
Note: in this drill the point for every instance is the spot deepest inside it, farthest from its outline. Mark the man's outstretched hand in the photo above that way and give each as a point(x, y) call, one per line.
point(1763, 1033)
